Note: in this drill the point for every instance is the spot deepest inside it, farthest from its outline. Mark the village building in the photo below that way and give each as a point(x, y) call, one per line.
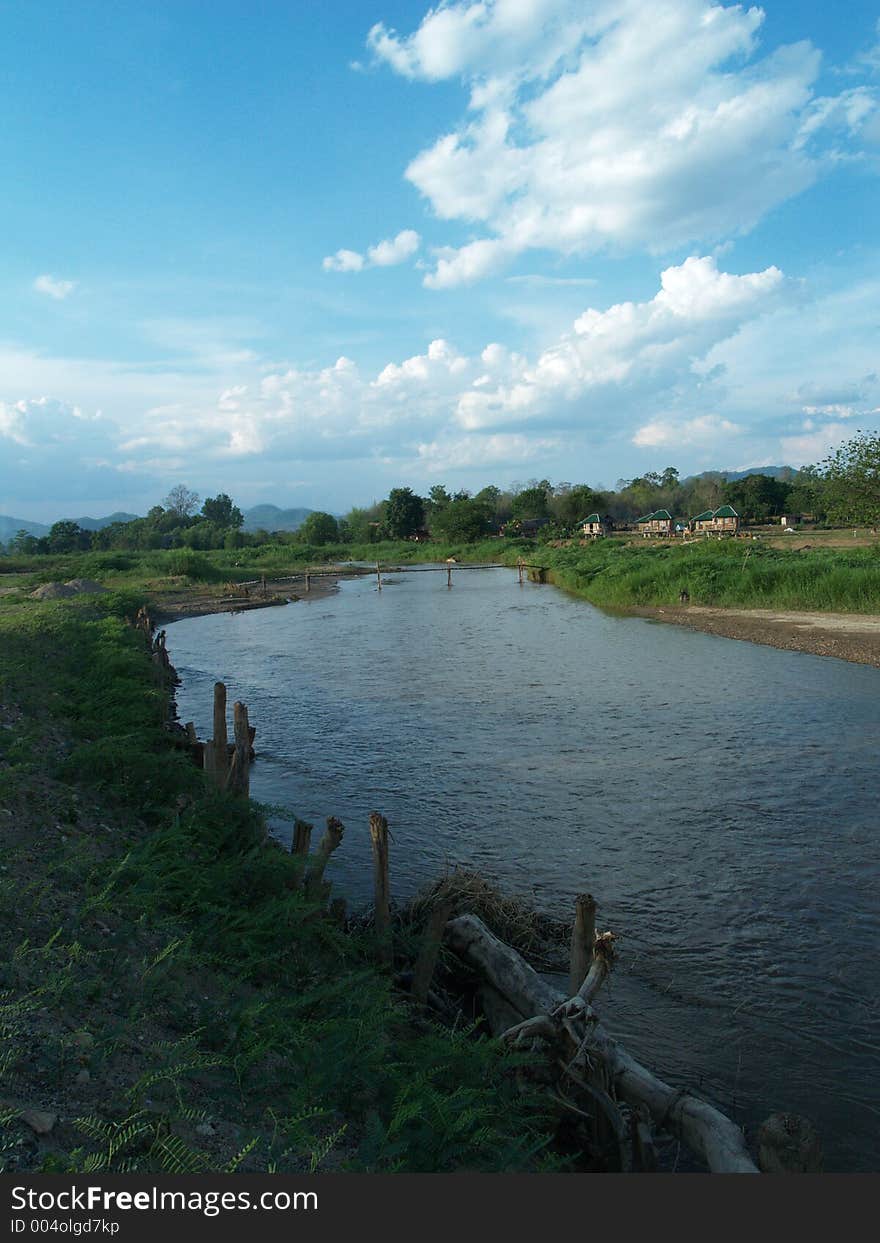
point(722, 521)
point(703, 521)
point(660, 523)
point(594, 526)
point(524, 526)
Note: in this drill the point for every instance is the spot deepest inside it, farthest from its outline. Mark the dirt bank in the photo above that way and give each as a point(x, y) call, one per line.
point(847, 636)
point(190, 602)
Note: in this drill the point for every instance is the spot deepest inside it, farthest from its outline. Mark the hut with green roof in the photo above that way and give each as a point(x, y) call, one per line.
point(660, 522)
point(722, 521)
point(594, 526)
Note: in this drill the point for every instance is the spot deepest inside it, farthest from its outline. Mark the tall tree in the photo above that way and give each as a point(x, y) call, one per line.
point(404, 512)
point(851, 477)
point(319, 528)
point(182, 500)
point(220, 510)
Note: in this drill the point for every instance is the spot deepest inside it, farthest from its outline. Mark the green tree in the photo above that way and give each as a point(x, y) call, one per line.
point(67, 536)
point(462, 521)
point(438, 498)
point(851, 481)
point(319, 528)
point(531, 502)
point(24, 543)
point(757, 497)
point(404, 513)
point(571, 506)
point(220, 510)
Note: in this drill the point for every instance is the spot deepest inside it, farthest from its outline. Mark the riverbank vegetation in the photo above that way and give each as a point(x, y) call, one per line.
point(616, 573)
point(168, 1000)
point(844, 489)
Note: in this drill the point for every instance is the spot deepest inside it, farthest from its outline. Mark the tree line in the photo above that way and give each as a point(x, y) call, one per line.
point(844, 489)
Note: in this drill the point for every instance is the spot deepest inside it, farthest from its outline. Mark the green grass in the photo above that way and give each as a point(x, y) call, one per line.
point(615, 573)
point(164, 987)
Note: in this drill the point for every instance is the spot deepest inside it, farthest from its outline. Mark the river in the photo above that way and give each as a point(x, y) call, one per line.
point(718, 798)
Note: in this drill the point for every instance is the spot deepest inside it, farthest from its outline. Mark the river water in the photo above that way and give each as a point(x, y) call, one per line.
point(718, 798)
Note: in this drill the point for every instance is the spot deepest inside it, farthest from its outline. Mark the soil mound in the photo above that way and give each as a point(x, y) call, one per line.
point(52, 591)
point(59, 591)
point(84, 586)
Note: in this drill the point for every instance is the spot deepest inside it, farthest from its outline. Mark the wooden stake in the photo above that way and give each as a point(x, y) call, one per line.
point(519, 566)
point(238, 779)
point(329, 842)
point(379, 838)
point(308, 581)
point(302, 836)
point(583, 937)
point(449, 576)
point(427, 959)
point(378, 577)
point(219, 757)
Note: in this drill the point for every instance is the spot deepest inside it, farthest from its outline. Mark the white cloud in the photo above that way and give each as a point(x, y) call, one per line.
point(634, 348)
point(344, 261)
point(501, 449)
point(705, 430)
point(384, 254)
point(615, 124)
point(713, 362)
point(394, 250)
point(53, 287)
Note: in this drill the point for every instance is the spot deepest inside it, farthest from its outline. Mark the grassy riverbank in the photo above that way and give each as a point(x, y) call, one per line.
point(167, 1001)
point(613, 573)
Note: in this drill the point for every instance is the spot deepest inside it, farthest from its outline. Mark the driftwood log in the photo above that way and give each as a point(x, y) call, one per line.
point(587, 1057)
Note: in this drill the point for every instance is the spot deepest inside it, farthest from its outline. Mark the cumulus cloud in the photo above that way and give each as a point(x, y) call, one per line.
point(631, 347)
point(53, 287)
point(51, 449)
point(385, 254)
point(713, 361)
point(614, 124)
point(703, 430)
point(343, 261)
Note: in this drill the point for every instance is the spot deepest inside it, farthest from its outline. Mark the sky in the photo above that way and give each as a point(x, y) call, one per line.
point(304, 253)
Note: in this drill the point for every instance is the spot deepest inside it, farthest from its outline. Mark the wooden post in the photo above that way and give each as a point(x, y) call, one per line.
point(308, 581)
point(449, 576)
point(299, 846)
point(329, 842)
point(379, 838)
point(219, 754)
point(378, 577)
point(427, 959)
point(238, 776)
point(263, 584)
point(519, 566)
point(302, 836)
point(583, 938)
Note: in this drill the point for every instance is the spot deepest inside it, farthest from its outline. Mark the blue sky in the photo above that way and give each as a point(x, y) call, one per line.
point(304, 253)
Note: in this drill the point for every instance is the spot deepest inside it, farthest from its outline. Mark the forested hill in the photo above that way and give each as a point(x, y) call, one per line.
point(271, 518)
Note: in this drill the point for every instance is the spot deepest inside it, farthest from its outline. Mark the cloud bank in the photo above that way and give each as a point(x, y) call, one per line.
point(609, 126)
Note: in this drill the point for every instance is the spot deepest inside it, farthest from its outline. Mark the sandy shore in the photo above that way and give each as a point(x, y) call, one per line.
point(173, 607)
point(847, 636)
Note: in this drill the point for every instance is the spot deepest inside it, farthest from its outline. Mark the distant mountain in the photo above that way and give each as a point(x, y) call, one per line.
point(784, 473)
point(98, 524)
point(9, 527)
point(775, 472)
point(271, 518)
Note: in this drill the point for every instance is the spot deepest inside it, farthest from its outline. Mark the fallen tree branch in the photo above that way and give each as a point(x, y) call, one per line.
point(583, 1042)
